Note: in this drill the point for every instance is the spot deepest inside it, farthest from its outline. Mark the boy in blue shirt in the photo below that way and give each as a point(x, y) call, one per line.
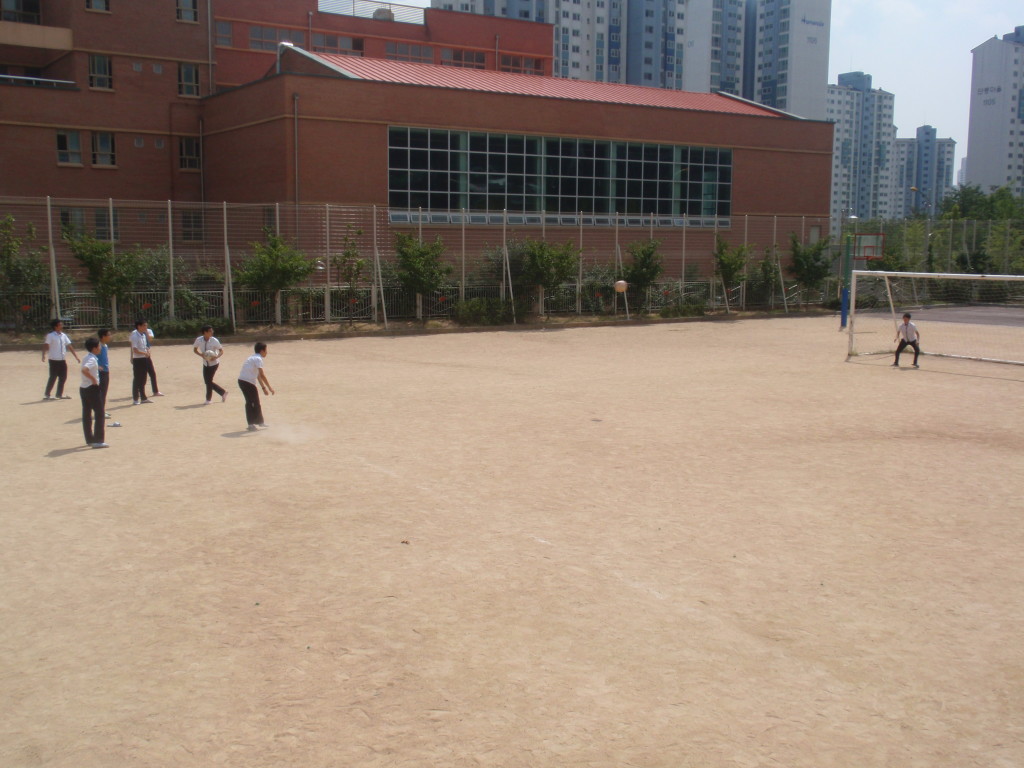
point(104, 363)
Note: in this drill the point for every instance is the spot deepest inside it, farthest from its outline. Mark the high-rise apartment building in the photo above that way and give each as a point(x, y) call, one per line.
point(771, 51)
point(923, 173)
point(995, 137)
point(863, 148)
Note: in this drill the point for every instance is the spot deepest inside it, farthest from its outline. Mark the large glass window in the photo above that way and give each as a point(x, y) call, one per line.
point(451, 170)
point(101, 72)
point(346, 46)
point(409, 52)
point(188, 79)
point(224, 34)
point(267, 38)
point(189, 155)
point(21, 11)
point(458, 57)
point(103, 152)
point(69, 147)
point(187, 10)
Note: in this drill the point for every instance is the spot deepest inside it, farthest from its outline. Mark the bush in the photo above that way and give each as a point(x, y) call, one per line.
point(186, 329)
point(689, 308)
point(483, 312)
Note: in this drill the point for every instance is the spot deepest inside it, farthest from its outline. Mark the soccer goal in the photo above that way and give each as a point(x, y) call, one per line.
point(973, 317)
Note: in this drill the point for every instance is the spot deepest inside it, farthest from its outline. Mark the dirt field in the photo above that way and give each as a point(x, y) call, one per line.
point(692, 545)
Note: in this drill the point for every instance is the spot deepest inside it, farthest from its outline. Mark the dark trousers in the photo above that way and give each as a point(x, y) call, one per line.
point(59, 374)
point(253, 410)
point(903, 345)
point(92, 413)
point(152, 374)
point(104, 386)
point(140, 369)
point(209, 371)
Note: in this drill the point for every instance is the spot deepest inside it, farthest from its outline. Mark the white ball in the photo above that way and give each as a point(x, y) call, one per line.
point(211, 354)
point(620, 286)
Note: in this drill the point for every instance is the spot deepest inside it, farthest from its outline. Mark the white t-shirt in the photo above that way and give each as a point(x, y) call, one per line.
point(58, 343)
point(203, 344)
point(92, 364)
point(251, 368)
point(907, 331)
point(138, 341)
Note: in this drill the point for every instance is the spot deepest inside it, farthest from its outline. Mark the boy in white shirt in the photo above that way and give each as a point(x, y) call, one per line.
point(140, 362)
point(92, 396)
point(210, 343)
point(251, 375)
point(908, 336)
point(56, 346)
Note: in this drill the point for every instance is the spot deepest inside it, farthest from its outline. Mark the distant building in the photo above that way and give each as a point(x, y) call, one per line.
point(863, 149)
point(995, 138)
point(923, 173)
point(774, 52)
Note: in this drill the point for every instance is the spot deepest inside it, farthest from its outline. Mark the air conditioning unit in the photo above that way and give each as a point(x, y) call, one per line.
point(384, 14)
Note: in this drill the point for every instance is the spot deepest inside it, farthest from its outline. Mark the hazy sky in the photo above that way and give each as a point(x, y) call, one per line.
point(919, 50)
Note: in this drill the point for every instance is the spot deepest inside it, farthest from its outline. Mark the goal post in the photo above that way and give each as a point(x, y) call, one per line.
point(972, 317)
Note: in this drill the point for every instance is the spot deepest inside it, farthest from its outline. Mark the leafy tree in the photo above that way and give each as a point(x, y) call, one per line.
point(113, 274)
point(645, 265)
point(420, 268)
point(547, 266)
point(969, 201)
point(350, 266)
point(811, 264)
point(21, 274)
point(729, 264)
point(274, 266)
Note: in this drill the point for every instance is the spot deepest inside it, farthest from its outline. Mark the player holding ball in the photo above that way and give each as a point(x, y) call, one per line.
point(210, 349)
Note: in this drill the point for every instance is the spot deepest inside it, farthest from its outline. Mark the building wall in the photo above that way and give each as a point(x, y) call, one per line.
point(780, 165)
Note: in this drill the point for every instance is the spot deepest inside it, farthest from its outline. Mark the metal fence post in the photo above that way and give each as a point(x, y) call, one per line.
point(54, 285)
point(327, 262)
point(170, 261)
point(462, 283)
point(110, 233)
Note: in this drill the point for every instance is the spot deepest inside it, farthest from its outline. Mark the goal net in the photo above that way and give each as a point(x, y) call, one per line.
point(974, 317)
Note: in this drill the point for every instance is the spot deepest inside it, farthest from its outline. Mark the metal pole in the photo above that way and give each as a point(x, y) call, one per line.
point(847, 277)
point(170, 261)
point(327, 262)
point(54, 286)
point(229, 288)
point(110, 221)
point(579, 279)
point(380, 278)
point(462, 283)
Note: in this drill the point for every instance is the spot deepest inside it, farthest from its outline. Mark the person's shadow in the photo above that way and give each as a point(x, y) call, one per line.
point(189, 407)
point(240, 433)
point(56, 453)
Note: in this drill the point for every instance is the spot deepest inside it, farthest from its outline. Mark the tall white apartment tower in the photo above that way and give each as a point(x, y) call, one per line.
point(862, 148)
point(771, 51)
point(995, 133)
point(789, 40)
point(923, 173)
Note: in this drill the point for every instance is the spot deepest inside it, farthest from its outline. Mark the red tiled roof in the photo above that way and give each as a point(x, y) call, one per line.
point(490, 81)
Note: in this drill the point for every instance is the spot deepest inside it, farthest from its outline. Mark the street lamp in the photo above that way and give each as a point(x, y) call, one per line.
point(847, 272)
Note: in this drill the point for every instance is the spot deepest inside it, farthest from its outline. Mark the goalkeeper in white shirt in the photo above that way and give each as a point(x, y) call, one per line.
point(908, 336)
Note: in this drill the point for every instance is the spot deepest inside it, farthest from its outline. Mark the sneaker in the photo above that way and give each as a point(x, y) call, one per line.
point(224, 397)
point(100, 445)
point(115, 424)
point(158, 394)
point(136, 402)
point(252, 428)
point(64, 397)
point(208, 402)
point(145, 401)
point(264, 426)
point(916, 365)
point(47, 397)
point(106, 415)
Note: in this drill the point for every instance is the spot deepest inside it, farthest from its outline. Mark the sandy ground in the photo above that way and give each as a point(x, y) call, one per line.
point(687, 545)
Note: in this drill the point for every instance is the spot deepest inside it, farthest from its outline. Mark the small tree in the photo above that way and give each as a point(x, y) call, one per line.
point(547, 266)
point(420, 268)
point(350, 266)
point(729, 264)
point(113, 274)
point(645, 266)
point(811, 264)
point(21, 274)
point(274, 266)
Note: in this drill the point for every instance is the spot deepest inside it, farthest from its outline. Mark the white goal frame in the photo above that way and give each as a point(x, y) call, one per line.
point(925, 304)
